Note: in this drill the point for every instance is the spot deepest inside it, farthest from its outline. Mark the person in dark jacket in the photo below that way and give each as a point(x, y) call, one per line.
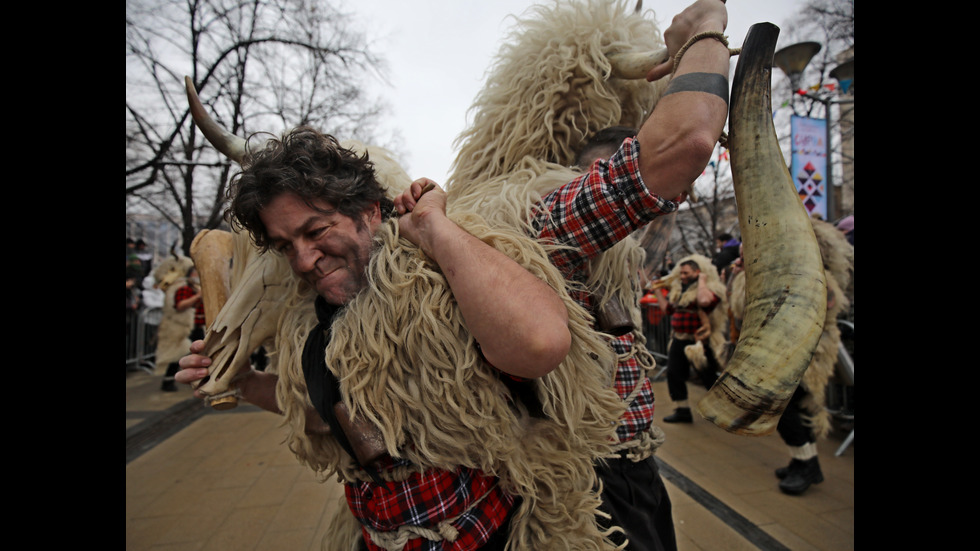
point(727, 253)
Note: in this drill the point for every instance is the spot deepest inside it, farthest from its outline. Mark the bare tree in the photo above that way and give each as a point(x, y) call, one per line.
point(713, 212)
point(259, 66)
point(835, 18)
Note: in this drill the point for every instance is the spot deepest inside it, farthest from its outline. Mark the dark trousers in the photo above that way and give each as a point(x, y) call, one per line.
point(679, 369)
point(790, 426)
point(633, 494)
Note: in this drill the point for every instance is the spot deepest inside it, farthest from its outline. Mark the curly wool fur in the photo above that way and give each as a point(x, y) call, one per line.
point(507, 200)
point(407, 363)
point(838, 263)
point(718, 317)
point(455, 411)
point(175, 327)
point(550, 88)
point(429, 381)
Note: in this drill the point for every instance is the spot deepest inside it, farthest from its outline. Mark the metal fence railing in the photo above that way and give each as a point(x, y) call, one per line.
point(656, 329)
point(141, 339)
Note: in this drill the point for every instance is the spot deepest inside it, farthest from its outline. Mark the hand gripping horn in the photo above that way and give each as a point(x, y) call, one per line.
point(785, 285)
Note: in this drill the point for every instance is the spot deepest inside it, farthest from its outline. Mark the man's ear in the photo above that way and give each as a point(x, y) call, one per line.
point(372, 214)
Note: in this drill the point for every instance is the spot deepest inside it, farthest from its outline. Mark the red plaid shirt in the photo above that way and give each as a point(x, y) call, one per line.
point(427, 498)
point(686, 320)
point(187, 292)
point(591, 214)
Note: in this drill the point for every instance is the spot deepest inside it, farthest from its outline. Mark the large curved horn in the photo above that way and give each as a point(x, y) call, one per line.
point(785, 285)
point(227, 143)
point(636, 65)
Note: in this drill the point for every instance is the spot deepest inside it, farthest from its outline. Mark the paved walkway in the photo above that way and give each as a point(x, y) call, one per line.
point(204, 480)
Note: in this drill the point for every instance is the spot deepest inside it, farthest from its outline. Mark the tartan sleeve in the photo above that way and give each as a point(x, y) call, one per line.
point(595, 211)
point(183, 293)
point(714, 302)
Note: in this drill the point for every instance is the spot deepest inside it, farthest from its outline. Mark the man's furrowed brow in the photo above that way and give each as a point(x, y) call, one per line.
point(311, 221)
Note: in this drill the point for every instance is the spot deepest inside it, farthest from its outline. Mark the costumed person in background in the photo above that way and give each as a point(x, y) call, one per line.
point(697, 309)
point(189, 296)
point(173, 333)
point(153, 301)
point(806, 418)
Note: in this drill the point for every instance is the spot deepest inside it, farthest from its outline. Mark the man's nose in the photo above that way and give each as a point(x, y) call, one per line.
point(306, 258)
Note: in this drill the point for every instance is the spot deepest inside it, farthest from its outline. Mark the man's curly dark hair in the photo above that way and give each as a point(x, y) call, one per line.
point(311, 165)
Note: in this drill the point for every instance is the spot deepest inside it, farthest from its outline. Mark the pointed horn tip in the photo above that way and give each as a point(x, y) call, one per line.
point(193, 100)
point(191, 89)
point(228, 144)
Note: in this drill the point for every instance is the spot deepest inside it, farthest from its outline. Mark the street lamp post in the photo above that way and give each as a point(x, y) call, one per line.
point(792, 60)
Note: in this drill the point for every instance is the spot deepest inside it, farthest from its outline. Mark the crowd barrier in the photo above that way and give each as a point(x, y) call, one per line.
point(141, 339)
point(656, 329)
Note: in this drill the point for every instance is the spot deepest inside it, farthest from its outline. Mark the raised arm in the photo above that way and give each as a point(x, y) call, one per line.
point(677, 139)
point(520, 322)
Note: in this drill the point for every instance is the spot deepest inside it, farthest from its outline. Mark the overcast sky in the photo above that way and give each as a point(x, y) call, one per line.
point(438, 51)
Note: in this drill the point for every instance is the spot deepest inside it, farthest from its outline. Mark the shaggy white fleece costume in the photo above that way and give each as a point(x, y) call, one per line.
point(838, 264)
point(175, 327)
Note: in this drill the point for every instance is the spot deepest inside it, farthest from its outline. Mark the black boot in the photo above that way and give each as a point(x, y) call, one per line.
point(680, 415)
point(799, 477)
point(783, 471)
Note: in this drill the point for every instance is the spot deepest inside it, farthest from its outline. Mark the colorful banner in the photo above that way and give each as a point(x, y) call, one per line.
point(809, 162)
